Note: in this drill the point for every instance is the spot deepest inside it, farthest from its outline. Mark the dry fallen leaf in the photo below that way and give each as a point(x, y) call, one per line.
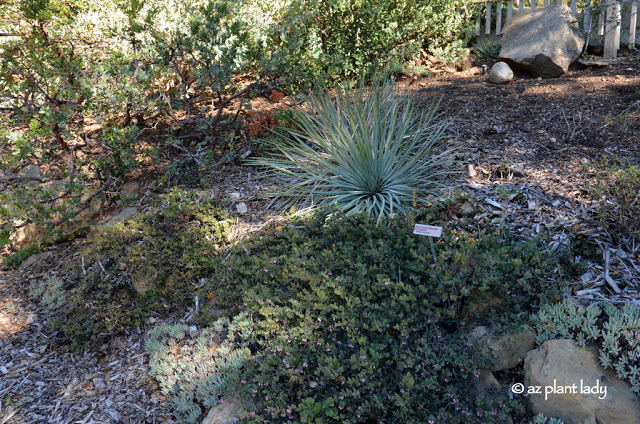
point(175, 349)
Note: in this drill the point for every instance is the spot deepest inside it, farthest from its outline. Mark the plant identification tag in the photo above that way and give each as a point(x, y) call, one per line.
point(431, 231)
point(427, 230)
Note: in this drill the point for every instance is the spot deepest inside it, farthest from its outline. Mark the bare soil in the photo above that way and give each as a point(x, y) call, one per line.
point(540, 138)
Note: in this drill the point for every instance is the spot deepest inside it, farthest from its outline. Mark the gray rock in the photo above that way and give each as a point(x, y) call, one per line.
point(241, 208)
point(580, 390)
point(500, 73)
point(542, 42)
point(507, 351)
point(485, 381)
point(125, 214)
point(223, 413)
point(33, 172)
point(34, 259)
point(96, 204)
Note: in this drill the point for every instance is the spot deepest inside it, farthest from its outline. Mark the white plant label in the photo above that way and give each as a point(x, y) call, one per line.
point(427, 230)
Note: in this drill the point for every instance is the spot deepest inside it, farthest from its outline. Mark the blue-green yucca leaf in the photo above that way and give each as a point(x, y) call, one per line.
point(368, 150)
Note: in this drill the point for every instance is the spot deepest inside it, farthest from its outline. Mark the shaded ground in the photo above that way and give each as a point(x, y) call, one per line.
point(588, 111)
point(540, 138)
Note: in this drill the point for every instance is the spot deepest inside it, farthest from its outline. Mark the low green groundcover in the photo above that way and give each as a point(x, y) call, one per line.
point(355, 323)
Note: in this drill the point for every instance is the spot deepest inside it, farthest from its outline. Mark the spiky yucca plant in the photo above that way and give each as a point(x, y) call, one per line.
point(367, 150)
point(487, 48)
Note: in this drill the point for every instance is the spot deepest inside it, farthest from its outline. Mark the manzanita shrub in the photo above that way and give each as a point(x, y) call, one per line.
point(76, 75)
point(355, 322)
point(307, 40)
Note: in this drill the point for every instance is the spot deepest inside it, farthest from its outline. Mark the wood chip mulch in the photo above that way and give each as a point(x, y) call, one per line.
point(42, 381)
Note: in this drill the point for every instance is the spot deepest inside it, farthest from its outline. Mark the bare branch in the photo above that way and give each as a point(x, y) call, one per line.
point(21, 178)
point(226, 101)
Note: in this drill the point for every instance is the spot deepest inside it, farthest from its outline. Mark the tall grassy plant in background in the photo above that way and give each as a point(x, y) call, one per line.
point(368, 150)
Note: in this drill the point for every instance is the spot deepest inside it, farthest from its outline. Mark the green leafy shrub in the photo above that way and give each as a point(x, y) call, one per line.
point(57, 76)
point(15, 260)
point(202, 52)
point(314, 41)
point(355, 323)
point(76, 75)
point(618, 189)
point(368, 151)
point(616, 331)
point(196, 371)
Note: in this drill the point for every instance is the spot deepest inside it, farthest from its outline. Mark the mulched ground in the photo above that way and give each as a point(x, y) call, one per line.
point(538, 138)
point(541, 140)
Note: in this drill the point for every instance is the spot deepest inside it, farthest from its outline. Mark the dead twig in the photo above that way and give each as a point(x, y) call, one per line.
point(20, 178)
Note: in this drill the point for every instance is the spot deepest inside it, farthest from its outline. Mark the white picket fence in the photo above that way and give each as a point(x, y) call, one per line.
point(596, 17)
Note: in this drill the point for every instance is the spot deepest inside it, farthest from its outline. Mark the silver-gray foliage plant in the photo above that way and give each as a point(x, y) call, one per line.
point(50, 293)
point(615, 330)
point(541, 419)
point(195, 372)
point(366, 150)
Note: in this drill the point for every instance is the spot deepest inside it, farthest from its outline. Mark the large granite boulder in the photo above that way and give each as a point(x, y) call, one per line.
point(542, 42)
point(575, 388)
